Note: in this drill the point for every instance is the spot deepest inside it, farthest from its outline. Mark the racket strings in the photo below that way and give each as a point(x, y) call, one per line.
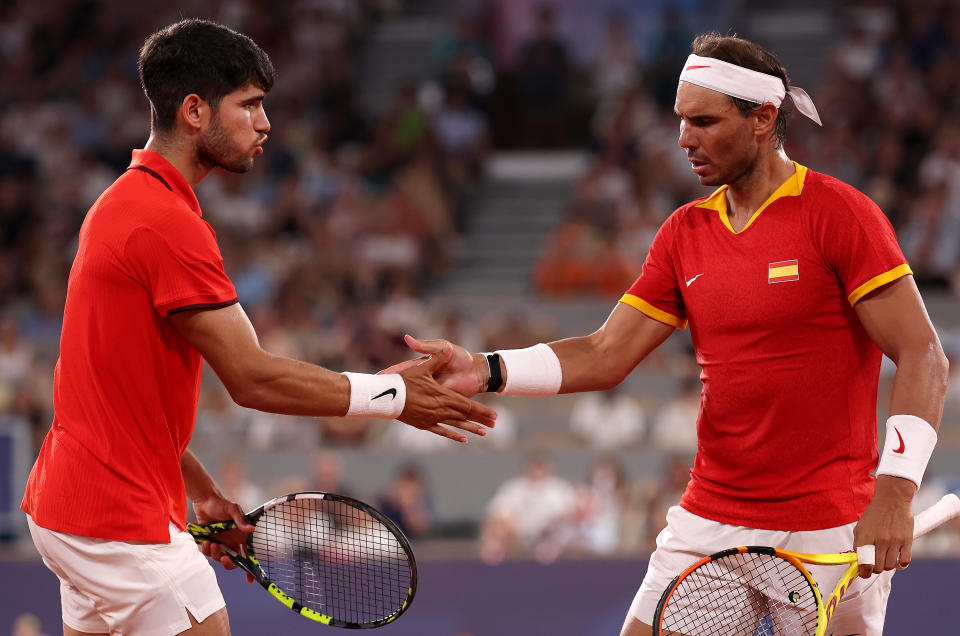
point(333, 558)
point(746, 594)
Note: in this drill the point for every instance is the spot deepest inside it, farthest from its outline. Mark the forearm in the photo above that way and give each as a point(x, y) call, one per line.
point(920, 384)
point(602, 360)
point(197, 481)
point(919, 387)
point(588, 366)
point(282, 385)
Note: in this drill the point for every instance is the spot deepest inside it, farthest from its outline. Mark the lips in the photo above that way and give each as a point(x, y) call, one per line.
point(698, 165)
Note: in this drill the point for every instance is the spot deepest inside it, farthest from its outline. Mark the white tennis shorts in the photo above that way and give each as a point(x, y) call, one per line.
point(124, 587)
point(688, 538)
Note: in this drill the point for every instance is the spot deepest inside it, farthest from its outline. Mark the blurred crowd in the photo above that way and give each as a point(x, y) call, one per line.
point(354, 214)
point(890, 82)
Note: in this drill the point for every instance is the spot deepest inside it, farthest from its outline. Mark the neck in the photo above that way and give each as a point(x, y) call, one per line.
point(747, 193)
point(181, 154)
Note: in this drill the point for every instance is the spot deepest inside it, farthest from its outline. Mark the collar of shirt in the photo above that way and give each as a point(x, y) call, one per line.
point(156, 166)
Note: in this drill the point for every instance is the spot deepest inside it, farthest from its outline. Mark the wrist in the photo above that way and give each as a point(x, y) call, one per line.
point(481, 370)
point(376, 395)
point(895, 488)
point(533, 372)
point(907, 448)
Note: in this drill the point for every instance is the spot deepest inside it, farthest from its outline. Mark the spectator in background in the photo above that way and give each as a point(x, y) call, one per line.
point(406, 501)
point(615, 67)
point(607, 420)
point(461, 136)
point(326, 473)
point(523, 509)
point(237, 485)
point(674, 428)
point(666, 493)
point(543, 78)
point(594, 526)
point(16, 358)
point(669, 48)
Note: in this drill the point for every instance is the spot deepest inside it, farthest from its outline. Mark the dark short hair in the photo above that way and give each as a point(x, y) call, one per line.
point(747, 54)
point(201, 57)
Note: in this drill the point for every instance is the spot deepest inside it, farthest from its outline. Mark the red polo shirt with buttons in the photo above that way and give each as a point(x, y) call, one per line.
point(126, 384)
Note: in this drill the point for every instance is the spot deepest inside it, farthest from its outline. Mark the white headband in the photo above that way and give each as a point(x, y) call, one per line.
point(744, 83)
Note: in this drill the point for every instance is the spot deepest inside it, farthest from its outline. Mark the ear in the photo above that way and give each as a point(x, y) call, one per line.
point(194, 113)
point(766, 118)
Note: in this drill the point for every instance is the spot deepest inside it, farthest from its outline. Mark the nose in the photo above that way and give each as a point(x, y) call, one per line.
point(686, 139)
point(261, 123)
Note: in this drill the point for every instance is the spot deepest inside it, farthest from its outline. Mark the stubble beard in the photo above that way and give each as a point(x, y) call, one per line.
point(216, 149)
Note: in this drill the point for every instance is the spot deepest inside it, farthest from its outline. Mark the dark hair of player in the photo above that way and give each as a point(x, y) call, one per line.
point(735, 50)
point(201, 57)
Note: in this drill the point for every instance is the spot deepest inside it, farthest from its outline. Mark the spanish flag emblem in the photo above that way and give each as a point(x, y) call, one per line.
point(783, 271)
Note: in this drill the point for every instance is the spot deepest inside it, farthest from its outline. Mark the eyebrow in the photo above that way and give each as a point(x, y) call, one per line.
point(254, 99)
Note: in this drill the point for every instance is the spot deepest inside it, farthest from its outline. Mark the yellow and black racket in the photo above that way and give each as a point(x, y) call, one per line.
point(763, 591)
point(329, 558)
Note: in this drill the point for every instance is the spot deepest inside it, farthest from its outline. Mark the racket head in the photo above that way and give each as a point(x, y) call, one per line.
point(754, 590)
point(328, 557)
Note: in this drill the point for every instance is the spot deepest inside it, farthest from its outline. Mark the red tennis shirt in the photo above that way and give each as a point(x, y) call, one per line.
point(788, 414)
point(126, 383)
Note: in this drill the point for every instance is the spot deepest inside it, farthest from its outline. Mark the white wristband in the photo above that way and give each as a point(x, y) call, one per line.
point(534, 371)
point(907, 448)
point(376, 395)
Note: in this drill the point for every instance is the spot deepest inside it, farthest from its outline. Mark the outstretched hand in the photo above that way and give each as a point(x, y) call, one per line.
point(434, 395)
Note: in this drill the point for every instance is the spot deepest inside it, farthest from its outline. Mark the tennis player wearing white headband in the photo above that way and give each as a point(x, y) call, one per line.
point(793, 285)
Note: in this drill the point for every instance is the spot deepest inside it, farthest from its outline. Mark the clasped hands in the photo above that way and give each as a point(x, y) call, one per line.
point(439, 385)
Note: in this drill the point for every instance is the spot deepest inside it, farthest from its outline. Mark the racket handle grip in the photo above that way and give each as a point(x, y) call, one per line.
point(944, 510)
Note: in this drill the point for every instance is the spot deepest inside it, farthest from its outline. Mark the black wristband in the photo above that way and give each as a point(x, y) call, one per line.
point(496, 378)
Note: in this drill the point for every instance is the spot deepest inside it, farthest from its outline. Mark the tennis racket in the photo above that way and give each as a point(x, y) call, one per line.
point(327, 557)
point(762, 591)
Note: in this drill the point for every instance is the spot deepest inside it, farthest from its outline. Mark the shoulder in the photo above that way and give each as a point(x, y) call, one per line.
point(826, 192)
point(687, 217)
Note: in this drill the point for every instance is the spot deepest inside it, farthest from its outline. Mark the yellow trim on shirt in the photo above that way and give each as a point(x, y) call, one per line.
point(652, 312)
point(792, 187)
point(878, 281)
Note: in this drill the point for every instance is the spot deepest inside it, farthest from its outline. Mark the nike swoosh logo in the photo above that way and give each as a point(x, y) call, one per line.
point(690, 282)
point(690, 68)
point(902, 445)
point(391, 392)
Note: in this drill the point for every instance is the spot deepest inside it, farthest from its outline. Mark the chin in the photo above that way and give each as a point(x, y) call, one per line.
point(238, 167)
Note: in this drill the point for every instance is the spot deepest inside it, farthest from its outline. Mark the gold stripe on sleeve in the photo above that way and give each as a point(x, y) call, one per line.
point(657, 314)
point(878, 281)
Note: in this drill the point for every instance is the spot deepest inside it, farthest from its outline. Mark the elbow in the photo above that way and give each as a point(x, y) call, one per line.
point(245, 388)
point(243, 393)
point(941, 365)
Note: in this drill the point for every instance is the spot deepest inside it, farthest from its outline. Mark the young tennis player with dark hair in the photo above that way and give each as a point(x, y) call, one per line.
point(793, 285)
point(148, 300)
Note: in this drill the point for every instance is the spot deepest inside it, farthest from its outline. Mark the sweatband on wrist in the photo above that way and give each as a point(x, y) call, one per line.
point(496, 377)
point(376, 395)
point(534, 371)
point(907, 448)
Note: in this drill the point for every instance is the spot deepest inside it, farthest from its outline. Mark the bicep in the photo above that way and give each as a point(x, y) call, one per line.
point(224, 337)
point(896, 320)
